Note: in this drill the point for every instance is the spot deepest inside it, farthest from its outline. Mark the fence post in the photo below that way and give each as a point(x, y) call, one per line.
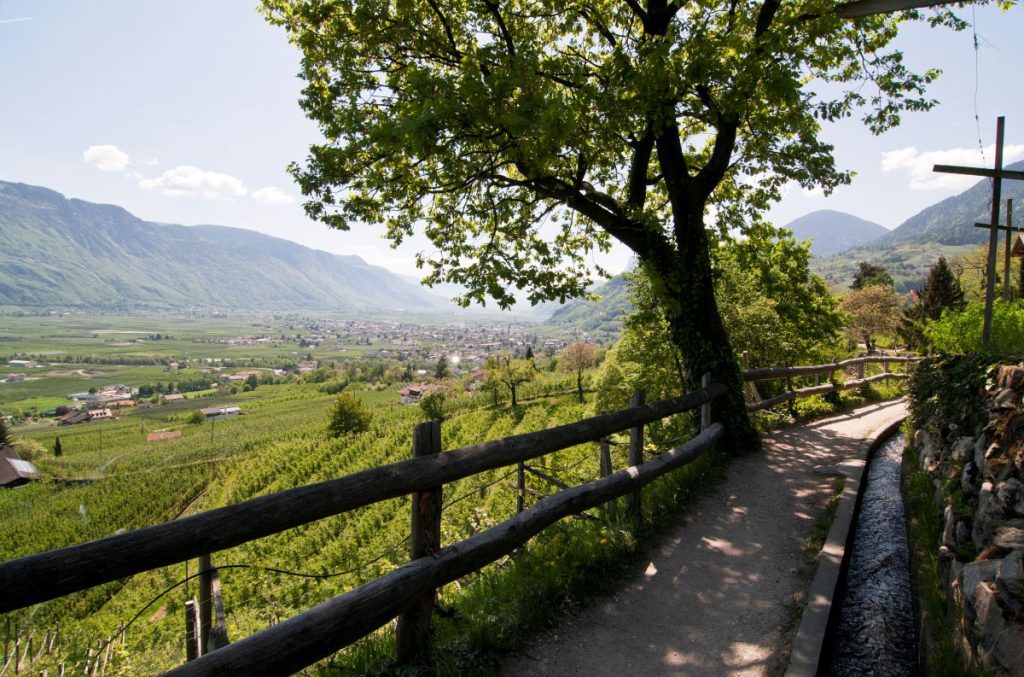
point(205, 603)
point(191, 626)
point(219, 631)
point(412, 633)
point(705, 409)
point(606, 457)
point(636, 457)
point(520, 486)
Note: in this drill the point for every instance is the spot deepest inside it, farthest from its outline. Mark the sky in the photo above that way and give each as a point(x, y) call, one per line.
point(187, 112)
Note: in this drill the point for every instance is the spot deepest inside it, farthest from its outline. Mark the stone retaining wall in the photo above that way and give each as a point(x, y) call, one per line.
point(978, 480)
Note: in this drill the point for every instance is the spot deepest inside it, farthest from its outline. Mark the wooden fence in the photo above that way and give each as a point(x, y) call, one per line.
point(750, 376)
point(407, 592)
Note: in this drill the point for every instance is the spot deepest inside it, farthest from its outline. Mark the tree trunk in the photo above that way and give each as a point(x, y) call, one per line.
point(579, 384)
point(685, 285)
point(513, 389)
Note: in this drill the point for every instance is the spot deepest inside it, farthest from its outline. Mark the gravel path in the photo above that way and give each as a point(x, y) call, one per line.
point(713, 596)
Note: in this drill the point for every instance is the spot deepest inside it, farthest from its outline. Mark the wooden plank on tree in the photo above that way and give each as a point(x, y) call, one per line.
point(980, 171)
point(317, 633)
point(861, 8)
point(48, 575)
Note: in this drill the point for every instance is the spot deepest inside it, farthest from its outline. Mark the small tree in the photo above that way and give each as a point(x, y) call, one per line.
point(252, 381)
point(529, 352)
point(58, 449)
point(873, 310)
point(195, 418)
point(513, 373)
point(432, 405)
point(441, 370)
point(348, 415)
point(5, 432)
point(941, 291)
point(577, 358)
point(870, 274)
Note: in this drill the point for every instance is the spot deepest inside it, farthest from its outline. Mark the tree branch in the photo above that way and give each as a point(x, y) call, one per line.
point(502, 28)
point(447, 28)
point(642, 149)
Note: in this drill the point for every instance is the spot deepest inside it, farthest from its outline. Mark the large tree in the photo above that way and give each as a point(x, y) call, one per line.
point(520, 136)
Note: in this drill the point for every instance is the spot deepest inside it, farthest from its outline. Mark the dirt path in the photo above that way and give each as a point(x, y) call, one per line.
point(713, 597)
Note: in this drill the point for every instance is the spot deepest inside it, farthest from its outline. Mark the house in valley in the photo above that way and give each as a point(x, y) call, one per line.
point(413, 393)
point(13, 469)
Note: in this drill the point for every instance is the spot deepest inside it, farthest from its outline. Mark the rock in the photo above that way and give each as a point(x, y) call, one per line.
point(1010, 575)
point(976, 572)
point(1018, 505)
point(968, 477)
point(963, 448)
point(1011, 537)
point(1011, 376)
point(995, 450)
point(955, 568)
point(1000, 645)
point(1006, 493)
point(1006, 398)
point(979, 451)
point(945, 553)
point(983, 515)
point(948, 531)
point(963, 532)
point(922, 439)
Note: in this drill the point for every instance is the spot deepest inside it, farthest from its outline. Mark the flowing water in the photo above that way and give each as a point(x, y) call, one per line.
point(875, 634)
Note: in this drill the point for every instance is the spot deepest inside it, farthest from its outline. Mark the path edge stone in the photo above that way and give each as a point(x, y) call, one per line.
point(809, 644)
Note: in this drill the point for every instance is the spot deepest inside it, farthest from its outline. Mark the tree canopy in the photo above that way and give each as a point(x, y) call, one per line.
point(870, 274)
point(520, 137)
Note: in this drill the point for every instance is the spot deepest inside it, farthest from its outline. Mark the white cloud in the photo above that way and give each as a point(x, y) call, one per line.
point(189, 181)
point(272, 196)
point(919, 165)
point(106, 158)
point(149, 162)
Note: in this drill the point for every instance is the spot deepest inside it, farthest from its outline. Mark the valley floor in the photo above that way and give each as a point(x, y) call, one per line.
point(718, 597)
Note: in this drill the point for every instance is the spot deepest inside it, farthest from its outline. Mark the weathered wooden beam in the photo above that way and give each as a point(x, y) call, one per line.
point(768, 373)
point(317, 633)
point(980, 171)
point(861, 8)
point(47, 575)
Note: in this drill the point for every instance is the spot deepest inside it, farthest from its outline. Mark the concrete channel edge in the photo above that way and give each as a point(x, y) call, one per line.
point(809, 644)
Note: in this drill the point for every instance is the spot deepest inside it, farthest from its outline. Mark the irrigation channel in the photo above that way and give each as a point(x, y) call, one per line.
point(875, 633)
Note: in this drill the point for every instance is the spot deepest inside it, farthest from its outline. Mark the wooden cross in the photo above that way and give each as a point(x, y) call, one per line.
point(997, 174)
point(1009, 245)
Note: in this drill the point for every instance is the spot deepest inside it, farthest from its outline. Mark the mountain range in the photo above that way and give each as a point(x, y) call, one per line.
point(944, 229)
point(72, 253)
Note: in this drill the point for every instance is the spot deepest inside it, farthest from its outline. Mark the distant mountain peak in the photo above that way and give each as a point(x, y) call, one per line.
point(832, 231)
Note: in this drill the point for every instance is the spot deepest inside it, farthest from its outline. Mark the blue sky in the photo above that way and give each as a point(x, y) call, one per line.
point(186, 112)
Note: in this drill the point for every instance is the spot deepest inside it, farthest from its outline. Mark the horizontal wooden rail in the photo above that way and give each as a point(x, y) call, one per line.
point(48, 575)
point(819, 390)
point(321, 631)
point(812, 369)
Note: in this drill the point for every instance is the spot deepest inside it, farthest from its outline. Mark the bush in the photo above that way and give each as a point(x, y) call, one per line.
point(195, 418)
point(348, 415)
point(950, 389)
point(432, 405)
point(334, 387)
point(959, 333)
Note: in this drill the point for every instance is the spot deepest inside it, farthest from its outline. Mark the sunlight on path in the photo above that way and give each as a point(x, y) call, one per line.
point(714, 595)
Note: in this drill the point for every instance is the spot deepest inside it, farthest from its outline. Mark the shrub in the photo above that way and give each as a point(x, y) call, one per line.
point(195, 418)
point(960, 333)
point(432, 405)
point(348, 415)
